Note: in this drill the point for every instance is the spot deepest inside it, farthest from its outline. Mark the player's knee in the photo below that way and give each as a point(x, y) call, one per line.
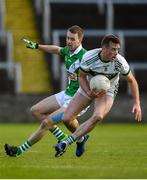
point(34, 111)
point(97, 118)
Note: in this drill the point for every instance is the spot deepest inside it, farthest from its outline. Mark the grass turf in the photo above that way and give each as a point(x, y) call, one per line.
point(112, 151)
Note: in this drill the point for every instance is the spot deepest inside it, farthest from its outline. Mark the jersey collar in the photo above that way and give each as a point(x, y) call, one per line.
point(77, 50)
point(99, 55)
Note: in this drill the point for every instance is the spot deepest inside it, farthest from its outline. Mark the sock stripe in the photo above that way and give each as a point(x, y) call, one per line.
point(26, 145)
point(58, 134)
point(56, 130)
point(21, 149)
point(70, 140)
point(53, 129)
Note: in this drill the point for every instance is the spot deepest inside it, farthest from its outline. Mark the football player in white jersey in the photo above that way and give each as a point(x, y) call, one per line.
point(107, 61)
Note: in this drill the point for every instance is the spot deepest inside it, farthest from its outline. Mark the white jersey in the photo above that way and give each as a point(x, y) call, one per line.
point(92, 64)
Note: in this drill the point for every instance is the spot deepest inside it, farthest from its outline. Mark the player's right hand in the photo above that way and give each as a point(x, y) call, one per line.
point(95, 94)
point(30, 44)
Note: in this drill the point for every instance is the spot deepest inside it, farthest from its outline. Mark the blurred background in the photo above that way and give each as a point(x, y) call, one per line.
point(27, 76)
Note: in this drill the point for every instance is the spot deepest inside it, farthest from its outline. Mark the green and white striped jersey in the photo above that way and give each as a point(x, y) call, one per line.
point(92, 64)
point(72, 63)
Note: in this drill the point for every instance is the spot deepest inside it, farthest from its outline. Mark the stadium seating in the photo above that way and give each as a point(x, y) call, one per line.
point(23, 24)
point(6, 83)
point(85, 15)
point(130, 16)
point(124, 19)
point(2, 53)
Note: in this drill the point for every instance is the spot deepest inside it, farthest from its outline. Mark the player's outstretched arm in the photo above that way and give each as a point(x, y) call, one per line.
point(47, 48)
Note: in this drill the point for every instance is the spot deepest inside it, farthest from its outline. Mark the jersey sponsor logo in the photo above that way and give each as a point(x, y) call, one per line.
point(106, 68)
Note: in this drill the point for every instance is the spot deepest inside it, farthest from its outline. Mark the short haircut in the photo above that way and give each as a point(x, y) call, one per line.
point(77, 30)
point(110, 38)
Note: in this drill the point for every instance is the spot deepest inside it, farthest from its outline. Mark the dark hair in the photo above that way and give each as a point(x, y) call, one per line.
point(110, 38)
point(77, 30)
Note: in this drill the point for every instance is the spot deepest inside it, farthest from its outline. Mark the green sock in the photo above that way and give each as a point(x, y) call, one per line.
point(23, 147)
point(59, 134)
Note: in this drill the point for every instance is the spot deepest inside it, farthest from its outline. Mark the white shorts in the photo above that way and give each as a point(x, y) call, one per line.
point(111, 92)
point(64, 100)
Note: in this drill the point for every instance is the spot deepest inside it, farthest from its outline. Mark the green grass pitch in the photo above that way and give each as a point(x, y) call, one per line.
point(112, 151)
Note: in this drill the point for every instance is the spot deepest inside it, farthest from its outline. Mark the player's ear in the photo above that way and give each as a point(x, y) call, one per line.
point(80, 38)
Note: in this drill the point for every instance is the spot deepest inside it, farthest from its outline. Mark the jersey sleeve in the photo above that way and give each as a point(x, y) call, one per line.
point(63, 51)
point(125, 68)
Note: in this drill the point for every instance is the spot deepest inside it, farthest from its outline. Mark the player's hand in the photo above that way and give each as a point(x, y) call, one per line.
point(99, 93)
point(95, 94)
point(137, 111)
point(30, 44)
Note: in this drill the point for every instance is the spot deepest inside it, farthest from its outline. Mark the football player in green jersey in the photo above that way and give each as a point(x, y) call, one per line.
point(57, 103)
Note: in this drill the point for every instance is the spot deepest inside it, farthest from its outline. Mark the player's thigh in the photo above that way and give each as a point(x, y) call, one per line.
point(103, 105)
point(76, 105)
point(47, 105)
point(58, 111)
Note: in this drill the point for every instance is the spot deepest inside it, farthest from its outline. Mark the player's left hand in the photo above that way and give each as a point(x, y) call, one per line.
point(98, 93)
point(137, 111)
point(30, 44)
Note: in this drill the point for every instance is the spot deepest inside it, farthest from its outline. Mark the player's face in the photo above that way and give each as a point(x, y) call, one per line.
point(72, 41)
point(111, 51)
